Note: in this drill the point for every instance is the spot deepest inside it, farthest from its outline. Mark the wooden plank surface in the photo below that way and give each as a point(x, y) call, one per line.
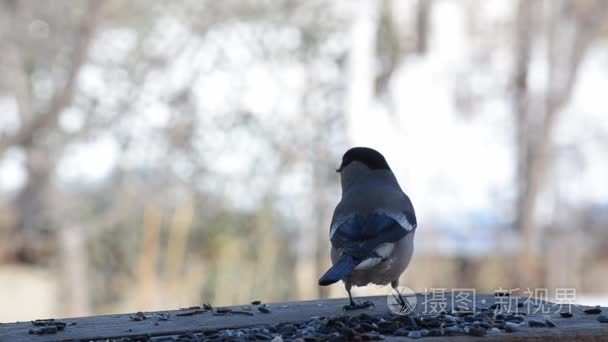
point(581, 327)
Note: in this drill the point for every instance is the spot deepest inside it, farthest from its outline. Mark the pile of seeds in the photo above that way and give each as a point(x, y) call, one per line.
point(361, 327)
point(365, 327)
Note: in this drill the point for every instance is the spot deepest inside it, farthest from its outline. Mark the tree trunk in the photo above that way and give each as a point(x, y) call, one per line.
point(569, 34)
point(73, 259)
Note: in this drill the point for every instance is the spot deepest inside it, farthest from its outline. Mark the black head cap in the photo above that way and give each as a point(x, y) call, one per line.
point(370, 157)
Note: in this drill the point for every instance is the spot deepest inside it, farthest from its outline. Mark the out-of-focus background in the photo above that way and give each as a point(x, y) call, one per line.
point(163, 154)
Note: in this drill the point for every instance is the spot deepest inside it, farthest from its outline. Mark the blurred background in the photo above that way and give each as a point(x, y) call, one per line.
point(163, 154)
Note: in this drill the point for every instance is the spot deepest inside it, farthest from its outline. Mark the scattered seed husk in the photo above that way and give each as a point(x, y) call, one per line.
point(453, 330)
point(593, 311)
point(566, 314)
point(207, 306)
point(244, 313)
point(401, 332)
point(50, 323)
point(536, 323)
point(387, 327)
point(434, 332)
point(414, 334)
point(44, 330)
point(189, 313)
point(602, 319)
point(191, 308)
point(162, 316)
point(138, 316)
point(43, 322)
point(361, 327)
point(372, 337)
point(477, 331)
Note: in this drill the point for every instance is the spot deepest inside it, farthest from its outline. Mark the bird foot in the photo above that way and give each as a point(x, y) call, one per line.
point(406, 307)
point(357, 306)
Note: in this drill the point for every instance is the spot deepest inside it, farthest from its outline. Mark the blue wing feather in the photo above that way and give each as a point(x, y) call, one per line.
point(360, 235)
point(339, 270)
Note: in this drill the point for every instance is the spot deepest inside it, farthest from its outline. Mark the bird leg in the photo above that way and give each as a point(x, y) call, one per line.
point(406, 307)
point(355, 306)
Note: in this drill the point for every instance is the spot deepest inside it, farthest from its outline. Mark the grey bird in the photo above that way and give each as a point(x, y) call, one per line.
point(373, 226)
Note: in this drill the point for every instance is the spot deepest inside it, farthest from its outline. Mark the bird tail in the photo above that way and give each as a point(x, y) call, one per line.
point(345, 265)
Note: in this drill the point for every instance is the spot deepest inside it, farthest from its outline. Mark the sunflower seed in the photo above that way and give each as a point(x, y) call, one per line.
point(42, 322)
point(593, 311)
point(401, 332)
point(372, 337)
point(162, 316)
point(263, 337)
point(453, 330)
point(50, 323)
point(477, 331)
point(414, 334)
point(191, 308)
point(536, 324)
point(387, 327)
point(189, 313)
point(435, 332)
point(138, 316)
point(44, 330)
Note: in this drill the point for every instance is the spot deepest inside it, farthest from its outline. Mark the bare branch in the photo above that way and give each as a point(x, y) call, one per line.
point(25, 136)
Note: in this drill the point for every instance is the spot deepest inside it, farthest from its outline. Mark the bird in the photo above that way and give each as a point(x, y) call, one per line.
point(372, 228)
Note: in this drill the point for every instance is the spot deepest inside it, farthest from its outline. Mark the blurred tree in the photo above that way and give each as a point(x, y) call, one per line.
point(567, 34)
point(47, 46)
